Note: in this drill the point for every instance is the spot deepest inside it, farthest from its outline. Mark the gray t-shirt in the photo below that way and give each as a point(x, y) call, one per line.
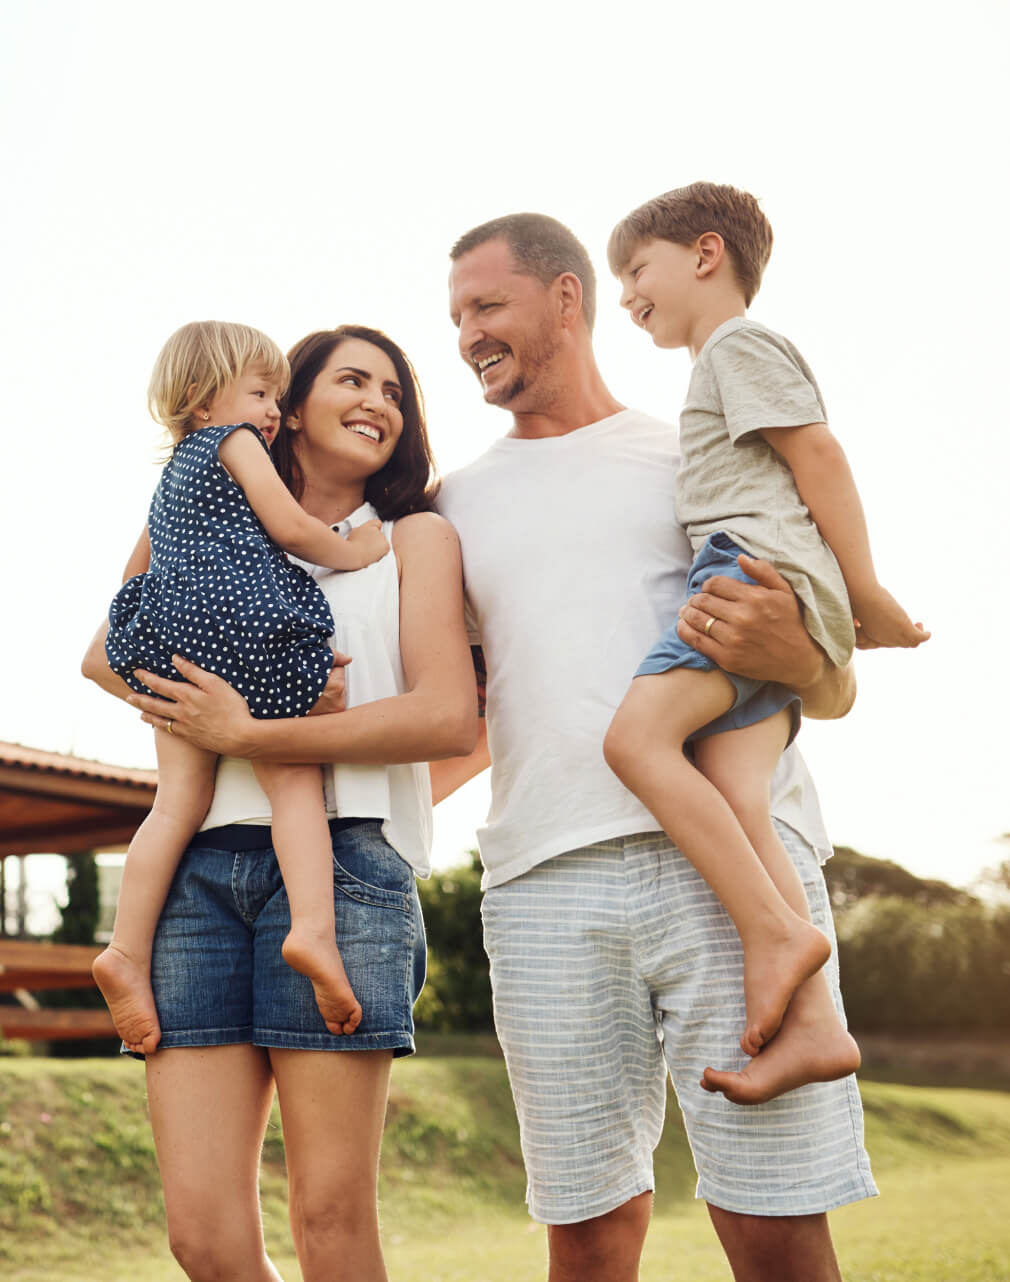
point(747, 377)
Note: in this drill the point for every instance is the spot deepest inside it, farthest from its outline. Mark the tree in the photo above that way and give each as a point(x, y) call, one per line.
point(852, 877)
point(457, 994)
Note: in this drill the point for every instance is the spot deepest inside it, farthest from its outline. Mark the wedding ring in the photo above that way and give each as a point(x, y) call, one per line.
point(169, 728)
point(708, 625)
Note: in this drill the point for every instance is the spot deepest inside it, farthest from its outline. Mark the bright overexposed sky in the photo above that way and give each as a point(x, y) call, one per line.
point(299, 166)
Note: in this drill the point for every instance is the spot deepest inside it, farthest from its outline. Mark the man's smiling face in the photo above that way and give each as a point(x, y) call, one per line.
point(509, 328)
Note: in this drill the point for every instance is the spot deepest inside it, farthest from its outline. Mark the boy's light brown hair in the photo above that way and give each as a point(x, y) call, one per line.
point(681, 216)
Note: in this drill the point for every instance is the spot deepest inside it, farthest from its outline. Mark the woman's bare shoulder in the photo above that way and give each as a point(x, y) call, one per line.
point(423, 528)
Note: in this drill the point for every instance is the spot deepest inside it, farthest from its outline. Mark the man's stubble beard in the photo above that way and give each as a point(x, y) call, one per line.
point(533, 379)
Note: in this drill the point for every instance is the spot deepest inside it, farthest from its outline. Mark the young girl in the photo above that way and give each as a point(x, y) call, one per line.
point(221, 592)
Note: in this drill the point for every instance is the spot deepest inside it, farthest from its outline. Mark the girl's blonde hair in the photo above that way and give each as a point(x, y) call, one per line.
point(198, 361)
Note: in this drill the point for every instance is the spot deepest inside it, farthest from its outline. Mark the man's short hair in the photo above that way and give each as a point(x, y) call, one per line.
point(683, 215)
point(542, 247)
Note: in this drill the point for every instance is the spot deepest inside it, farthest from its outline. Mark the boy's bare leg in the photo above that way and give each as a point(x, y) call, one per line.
point(644, 747)
point(812, 1045)
point(123, 971)
point(301, 839)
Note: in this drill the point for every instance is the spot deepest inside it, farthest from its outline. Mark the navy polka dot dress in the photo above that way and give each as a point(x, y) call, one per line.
point(220, 592)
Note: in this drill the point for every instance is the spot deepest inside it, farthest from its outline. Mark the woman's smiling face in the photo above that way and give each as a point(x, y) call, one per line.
point(352, 412)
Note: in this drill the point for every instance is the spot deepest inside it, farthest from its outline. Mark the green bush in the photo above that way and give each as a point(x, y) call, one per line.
point(457, 994)
point(909, 965)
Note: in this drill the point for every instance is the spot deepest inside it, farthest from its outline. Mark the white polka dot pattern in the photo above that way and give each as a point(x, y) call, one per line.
point(220, 592)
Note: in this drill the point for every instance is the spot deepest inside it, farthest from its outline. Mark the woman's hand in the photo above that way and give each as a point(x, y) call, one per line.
point(334, 696)
point(205, 710)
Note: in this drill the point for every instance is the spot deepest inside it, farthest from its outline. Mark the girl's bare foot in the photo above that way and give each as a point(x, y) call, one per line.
point(815, 1050)
point(773, 970)
point(318, 959)
point(126, 987)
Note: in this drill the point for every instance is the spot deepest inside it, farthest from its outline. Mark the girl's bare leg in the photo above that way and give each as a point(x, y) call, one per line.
point(209, 1108)
point(645, 748)
point(333, 1158)
point(123, 971)
point(812, 1045)
point(304, 852)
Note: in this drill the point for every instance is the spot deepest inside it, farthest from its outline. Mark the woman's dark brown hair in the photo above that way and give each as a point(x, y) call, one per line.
point(408, 482)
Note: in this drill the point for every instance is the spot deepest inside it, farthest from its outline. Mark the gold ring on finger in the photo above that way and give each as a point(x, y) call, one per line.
point(708, 625)
point(168, 727)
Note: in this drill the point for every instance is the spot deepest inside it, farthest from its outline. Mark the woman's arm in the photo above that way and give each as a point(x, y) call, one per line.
point(762, 636)
point(288, 524)
point(94, 664)
point(435, 718)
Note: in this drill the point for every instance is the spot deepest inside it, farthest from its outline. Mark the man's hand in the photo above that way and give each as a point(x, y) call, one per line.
point(334, 696)
point(755, 630)
point(205, 710)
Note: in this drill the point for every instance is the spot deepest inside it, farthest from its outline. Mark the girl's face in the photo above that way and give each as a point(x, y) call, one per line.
point(252, 398)
point(351, 418)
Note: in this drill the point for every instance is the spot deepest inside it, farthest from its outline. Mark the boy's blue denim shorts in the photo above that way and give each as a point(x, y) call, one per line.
point(217, 970)
point(755, 700)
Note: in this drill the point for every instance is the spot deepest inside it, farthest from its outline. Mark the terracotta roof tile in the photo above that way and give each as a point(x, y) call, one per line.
point(58, 763)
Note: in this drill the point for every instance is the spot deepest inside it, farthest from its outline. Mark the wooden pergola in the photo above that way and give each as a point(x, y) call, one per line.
point(53, 803)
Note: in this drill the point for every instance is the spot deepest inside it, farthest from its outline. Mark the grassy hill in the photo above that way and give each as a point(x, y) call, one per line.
point(79, 1194)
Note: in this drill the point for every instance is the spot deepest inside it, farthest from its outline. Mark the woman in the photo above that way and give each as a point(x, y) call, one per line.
point(352, 446)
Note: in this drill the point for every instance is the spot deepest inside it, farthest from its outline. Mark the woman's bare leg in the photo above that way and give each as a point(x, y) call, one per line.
point(645, 748)
point(811, 1045)
point(301, 838)
point(333, 1105)
point(123, 971)
point(209, 1109)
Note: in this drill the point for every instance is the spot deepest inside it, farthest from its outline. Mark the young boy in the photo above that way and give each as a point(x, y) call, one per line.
point(761, 476)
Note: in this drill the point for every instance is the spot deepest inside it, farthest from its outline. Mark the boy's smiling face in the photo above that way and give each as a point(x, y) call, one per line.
point(659, 289)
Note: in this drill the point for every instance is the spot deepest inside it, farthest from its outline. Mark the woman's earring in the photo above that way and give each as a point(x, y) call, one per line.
point(206, 418)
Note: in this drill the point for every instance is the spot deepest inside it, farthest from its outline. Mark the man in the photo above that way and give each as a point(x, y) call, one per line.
point(610, 959)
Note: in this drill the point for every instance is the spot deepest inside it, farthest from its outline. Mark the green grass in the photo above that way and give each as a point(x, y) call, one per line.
point(79, 1196)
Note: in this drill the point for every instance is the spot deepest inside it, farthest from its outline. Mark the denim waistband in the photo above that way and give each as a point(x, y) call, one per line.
point(251, 836)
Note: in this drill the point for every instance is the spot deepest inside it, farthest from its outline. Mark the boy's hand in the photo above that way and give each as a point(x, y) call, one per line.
point(880, 621)
point(369, 541)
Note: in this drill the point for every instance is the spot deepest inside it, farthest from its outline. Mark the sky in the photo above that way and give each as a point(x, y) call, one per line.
point(299, 167)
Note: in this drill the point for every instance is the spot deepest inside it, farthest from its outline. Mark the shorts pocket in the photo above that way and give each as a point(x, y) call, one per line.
point(366, 868)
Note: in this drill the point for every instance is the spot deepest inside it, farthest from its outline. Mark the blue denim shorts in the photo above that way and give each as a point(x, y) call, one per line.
point(755, 700)
point(217, 970)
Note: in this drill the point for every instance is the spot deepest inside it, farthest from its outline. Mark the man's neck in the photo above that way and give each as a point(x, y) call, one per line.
point(581, 398)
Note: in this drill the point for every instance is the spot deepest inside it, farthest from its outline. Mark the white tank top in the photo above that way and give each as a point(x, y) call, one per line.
point(366, 611)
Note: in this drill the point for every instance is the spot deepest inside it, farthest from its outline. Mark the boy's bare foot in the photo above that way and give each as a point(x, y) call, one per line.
point(773, 970)
point(318, 959)
point(126, 987)
point(816, 1050)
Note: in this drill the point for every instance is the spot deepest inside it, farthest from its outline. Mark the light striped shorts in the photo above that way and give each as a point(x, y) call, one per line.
point(605, 962)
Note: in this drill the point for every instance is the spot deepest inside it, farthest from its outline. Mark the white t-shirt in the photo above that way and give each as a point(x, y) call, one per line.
point(366, 611)
point(574, 563)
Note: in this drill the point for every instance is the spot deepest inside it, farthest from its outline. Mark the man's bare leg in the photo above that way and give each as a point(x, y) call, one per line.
point(780, 1248)
point(606, 1248)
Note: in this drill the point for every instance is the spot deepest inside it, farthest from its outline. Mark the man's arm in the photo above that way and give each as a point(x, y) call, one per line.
point(757, 631)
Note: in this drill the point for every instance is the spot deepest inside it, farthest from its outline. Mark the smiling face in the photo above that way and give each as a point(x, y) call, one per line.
point(252, 398)
point(509, 326)
point(351, 418)
point(658, 287)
